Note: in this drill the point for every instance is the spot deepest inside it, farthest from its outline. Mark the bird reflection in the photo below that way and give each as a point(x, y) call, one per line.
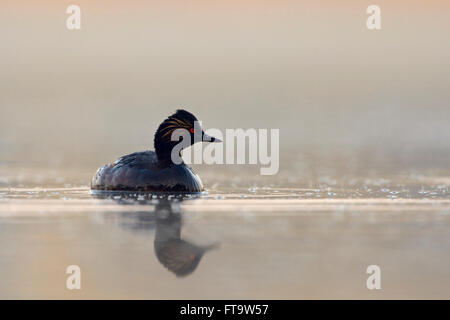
point(179, 256)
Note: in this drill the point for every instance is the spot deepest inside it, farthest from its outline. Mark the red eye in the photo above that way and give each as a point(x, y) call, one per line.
point(191, 130)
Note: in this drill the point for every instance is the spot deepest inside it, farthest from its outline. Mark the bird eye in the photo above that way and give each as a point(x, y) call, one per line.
point(191, 130)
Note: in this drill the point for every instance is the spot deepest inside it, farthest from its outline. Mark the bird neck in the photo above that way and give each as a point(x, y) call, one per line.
point(163, 147)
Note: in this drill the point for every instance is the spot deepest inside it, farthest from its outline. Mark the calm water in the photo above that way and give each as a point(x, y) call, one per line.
point(364, 149)
point(312, 238)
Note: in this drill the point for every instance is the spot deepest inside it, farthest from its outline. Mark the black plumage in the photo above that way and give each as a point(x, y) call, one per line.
point(154, 171)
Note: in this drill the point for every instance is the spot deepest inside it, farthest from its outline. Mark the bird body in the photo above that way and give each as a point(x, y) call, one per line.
point(140, 171)
point(153, 171)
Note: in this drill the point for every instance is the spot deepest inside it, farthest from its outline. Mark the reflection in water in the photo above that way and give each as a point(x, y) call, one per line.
point(179, 256)
point(275, 246)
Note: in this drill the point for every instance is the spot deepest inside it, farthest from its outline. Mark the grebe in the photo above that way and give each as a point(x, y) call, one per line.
point(154, 171)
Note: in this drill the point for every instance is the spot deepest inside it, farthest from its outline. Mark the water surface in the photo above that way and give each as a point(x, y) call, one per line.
point(239, 240)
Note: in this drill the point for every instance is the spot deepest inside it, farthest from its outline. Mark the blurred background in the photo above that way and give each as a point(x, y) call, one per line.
point(364, 119)
point(335, 89)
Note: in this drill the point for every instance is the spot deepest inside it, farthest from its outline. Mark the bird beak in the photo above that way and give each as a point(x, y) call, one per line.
point(207, 138)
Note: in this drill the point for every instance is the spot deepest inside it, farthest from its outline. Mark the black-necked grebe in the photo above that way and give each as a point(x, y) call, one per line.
point(154, 171)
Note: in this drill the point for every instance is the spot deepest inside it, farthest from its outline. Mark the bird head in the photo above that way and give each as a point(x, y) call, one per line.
point(180, 120)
